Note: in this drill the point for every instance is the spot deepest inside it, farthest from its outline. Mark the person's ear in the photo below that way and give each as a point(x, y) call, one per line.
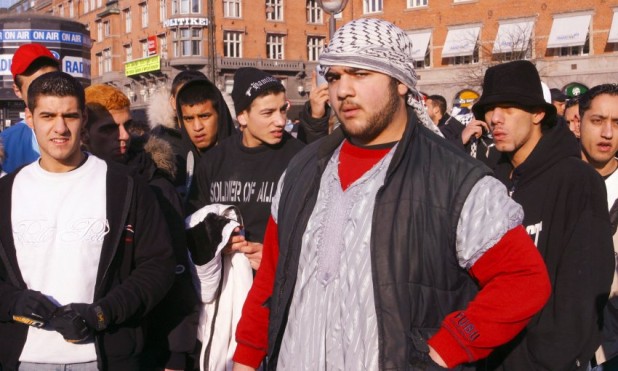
point(538, 116)
point(243, 119)
point(29, 120)
point(17, 92)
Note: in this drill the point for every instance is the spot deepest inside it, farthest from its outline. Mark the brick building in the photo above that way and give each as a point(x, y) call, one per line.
point(139, 45)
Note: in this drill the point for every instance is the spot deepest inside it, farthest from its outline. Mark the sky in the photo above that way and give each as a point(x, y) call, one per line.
point(6, 3)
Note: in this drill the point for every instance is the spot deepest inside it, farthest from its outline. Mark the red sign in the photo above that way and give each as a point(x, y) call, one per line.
point(152, 45)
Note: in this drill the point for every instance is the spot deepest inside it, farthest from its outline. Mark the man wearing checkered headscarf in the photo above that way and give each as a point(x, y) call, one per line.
point(386, 232)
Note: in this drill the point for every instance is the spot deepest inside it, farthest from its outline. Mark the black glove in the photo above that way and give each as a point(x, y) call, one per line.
point(203, 238)
point(78, 322)
point(32, 308)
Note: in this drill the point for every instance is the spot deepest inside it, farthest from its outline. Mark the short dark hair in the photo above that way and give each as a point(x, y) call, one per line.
point(56, 84)
point(574, 101)
point(183, 77)
point(33, 68)
point(197, 92)
point(440, 101)
point(585, 100)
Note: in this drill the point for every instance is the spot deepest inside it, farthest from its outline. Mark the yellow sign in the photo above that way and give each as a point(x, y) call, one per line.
point(142, 65)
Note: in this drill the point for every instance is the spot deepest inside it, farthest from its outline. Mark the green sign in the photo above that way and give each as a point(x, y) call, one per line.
point(142, 65)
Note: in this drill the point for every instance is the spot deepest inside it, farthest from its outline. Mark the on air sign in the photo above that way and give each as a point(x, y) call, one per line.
point(74, 66)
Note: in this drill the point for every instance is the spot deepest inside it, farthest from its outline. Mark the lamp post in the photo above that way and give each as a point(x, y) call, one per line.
point(332, 7)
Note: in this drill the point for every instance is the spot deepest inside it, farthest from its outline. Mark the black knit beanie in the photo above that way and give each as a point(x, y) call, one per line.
point(249, 83)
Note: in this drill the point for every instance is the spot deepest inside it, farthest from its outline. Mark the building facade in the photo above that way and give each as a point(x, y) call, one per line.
point(140, 45)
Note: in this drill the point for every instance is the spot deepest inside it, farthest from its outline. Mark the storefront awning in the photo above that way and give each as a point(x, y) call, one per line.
point(513, 36)
point(613, 31)
point(569, 31)
point(420, 42)
point(460, 41)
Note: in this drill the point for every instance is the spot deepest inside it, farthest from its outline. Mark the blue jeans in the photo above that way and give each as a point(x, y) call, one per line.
point(88, 366)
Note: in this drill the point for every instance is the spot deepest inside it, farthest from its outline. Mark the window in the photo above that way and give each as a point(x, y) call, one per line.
point(92, 5)
point(314, 47)
point(162, 45)
point(417, 3)
point(86, 6)
point(127, 20)
point(314, 12)
point(71, 10)
point(232, 44)
point(107, 28)
point(275, 46)
point(187, 42)
point(372, 6)
point(162, 10)
point(144, 45)
point(425, 62)
point(232, 8)
point(99, 3)
point(128, 52)
point(144, 12)
point(274, 10)
point(100, 63)
point(60, 10)
point(107, 60)
point(567, 51)
point(465, 59)
point(99, 31)
point(185, 6)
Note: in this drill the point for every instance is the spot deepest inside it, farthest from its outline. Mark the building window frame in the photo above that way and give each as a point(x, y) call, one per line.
point(162, 10)
point(276, 13)
point(162, 39)
point(373, 6)
point(143, 7)
point(107, 60)
point(315, 14)
point(99, 31)
point(107, 29)
point(143, 43)
point(128, 52)
point(474, 58)
point(275, 46)
point(187, 41)
point(71, 9)
point(315, 44)
point(414, 4)
point(127, 20)
point(232, 8)
point(232, 44)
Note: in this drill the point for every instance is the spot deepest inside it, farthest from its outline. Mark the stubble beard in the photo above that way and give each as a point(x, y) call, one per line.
point(377, 122)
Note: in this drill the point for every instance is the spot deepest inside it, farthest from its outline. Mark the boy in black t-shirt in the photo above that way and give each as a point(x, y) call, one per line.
point(244, 170)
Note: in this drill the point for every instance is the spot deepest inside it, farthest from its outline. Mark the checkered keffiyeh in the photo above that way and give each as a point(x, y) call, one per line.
point(377, 45)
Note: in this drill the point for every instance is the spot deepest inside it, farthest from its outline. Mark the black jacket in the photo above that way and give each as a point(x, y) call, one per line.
point(172, 325)
point(311, 129)
point(135, 272)
point(417, 280)
point(565, 208)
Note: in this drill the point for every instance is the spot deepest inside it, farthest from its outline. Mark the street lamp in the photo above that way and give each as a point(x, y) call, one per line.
point(332, 7)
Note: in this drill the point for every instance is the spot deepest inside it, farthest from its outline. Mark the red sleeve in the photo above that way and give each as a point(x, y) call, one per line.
point(514, 287)
point(252, 329)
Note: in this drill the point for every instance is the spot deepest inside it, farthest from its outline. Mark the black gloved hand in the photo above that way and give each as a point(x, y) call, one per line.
point(203, 238)
point(77, 322)
point(32, 308)
point(71, 325)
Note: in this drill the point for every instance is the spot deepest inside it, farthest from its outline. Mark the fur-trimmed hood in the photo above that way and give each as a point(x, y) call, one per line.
point(149, 154)
point(160, 111)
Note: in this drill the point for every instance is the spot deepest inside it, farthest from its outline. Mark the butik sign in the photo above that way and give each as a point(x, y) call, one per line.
point(186, 21)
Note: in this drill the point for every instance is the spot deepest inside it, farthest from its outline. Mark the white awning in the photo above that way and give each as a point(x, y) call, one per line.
point(613, 31)
point(569, 31)
point(513, 36)
point(420, 41)
point(460, 42)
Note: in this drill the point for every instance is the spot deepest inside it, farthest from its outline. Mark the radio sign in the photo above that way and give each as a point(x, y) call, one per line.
point(76, 67)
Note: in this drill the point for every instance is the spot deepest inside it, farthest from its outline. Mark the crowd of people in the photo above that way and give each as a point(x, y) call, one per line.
point(384, 234)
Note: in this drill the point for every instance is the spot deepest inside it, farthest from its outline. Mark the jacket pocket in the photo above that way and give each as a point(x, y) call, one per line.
point(124, 342)
point(418, 356)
